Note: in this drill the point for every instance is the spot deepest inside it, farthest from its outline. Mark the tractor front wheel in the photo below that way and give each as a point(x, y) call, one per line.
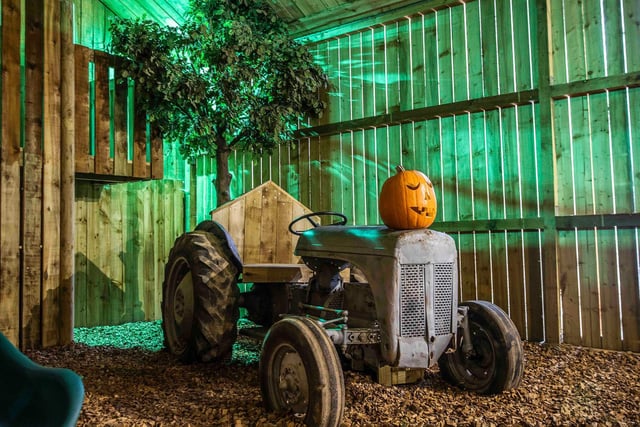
point(495, 363)
point(300, 372)
point(200, 299)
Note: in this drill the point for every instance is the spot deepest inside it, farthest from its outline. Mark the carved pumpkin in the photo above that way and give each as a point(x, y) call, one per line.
point(407, 200)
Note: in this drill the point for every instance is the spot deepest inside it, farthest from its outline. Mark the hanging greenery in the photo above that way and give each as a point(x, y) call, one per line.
point(229, 78)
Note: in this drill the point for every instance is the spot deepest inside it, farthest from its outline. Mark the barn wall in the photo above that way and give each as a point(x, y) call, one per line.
point(524, 114)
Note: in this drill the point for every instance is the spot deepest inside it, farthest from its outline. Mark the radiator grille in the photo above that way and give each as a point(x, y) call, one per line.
point(412, 300)
point(442, 297)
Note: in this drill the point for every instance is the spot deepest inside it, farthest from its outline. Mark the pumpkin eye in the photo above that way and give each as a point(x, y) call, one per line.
point(413, 187)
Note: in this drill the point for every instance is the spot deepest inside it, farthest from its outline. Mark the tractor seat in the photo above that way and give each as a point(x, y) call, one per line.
point(34, 395)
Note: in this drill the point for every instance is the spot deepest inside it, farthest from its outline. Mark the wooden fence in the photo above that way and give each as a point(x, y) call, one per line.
point(123, 236)
point(524, 114)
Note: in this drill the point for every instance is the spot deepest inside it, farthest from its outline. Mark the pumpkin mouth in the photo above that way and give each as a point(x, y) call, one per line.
point(421, 210)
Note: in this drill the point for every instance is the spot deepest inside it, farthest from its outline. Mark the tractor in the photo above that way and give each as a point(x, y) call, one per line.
point(365, 297)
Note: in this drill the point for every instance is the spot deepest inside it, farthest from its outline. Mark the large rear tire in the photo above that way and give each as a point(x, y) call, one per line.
point(200, 299)
point(496, 363)
point(300, 372)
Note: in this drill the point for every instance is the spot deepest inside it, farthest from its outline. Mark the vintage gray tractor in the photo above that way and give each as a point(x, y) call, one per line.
point(366, 297)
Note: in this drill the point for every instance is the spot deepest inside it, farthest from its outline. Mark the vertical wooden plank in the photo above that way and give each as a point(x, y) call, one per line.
point(552, 311)
point(449, 203)
point(563, 157)
point(252, 227)
point(116, 252)
point(529, 148)
point(629, 288)
point(83, 55)
point(102, 127)
point(489, 47)
point(283, 249)
point(67, 172)
point(105, 292)
point(435, 162)
point(594, 44)
point(467, 266)
point(51, 177)
point(237, 224)
point(334, 111)
point(600, 155)
point(304, 168)
point(80, 305)
point(32, 177)
point(613, 36)
point(368, 74)
point(149, 301)
point(517, 285)
point(609, 288)
point(464, 159)
point(621, 152)
point(358, 84)
point(505, 47)
point(10, 169)
point(484, 287)
point(522, 34)
point(460, 76)
point(432, 74)
point(575, 44)
point(121, 131)
point(511, 164)
point(384, 169)
point(346, 179)
point(494, 164)
point(137, 279)
point(371, 173)
point(631, 34)
point(445, 56)
point(533, 278)
point(93, 253)
point(418, 76)
point(344, 76)
point(557, 40)
point(499, 267)
point(359, 177)
point(582, 175)
point(569, 286)
point(268, 217)
point(140, 166)
point(588, 263)
point(404, 68)
point(474, 49)
point(379, 71)
point(480, 207)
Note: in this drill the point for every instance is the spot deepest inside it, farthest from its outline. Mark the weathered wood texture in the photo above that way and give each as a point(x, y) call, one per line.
point(258, 222)
point(123, 236)
point(112, 141)
point(456, 92)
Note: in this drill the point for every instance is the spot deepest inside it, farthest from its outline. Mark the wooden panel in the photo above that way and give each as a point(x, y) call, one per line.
point(102, 127)
point(32, 177)
point(84, 161)
point(120, 129)
point(140, 165)
point(10, 173)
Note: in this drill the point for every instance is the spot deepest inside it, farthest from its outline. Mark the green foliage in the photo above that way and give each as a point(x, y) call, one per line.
point(229, 77)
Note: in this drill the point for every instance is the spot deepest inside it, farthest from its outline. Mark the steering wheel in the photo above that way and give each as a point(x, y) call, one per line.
point(308, 217)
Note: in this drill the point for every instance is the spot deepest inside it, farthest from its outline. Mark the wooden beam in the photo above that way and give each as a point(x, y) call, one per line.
point(67, 172)
point(596, 85)
point(512, 224)
point(10, 172)
point(426, 113)
point(552, 320)
point(599, 221)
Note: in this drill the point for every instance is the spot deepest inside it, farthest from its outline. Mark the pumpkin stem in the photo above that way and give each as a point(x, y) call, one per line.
point(399, 168)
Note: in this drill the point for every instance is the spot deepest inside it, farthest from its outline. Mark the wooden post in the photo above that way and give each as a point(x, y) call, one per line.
point(32, 177)
point(51, 177)
point(552, 321)
point(67, 173)
point(10, 173)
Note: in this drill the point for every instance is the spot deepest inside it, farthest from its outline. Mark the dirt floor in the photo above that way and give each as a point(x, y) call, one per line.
point(563, 385)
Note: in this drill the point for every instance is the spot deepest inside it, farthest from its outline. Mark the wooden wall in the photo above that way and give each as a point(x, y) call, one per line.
point(524, 115)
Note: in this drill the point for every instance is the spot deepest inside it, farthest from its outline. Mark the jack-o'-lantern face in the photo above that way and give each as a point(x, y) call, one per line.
point(407, 200)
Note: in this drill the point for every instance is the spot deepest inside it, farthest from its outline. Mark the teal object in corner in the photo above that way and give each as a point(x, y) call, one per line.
point(34, 395)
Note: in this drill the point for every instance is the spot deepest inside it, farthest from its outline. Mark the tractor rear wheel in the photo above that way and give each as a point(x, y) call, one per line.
point(496, 363)
point(300, 372)
point(200, 299)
